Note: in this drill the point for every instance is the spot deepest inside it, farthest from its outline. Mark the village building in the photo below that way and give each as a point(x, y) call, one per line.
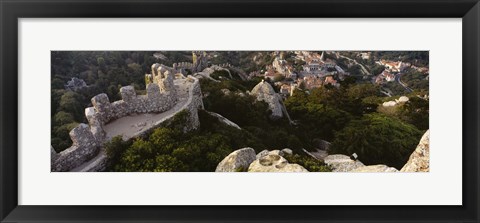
point(270, 73)
point(311, 82)
point(394, 66)
point(423, 70)
point(330, 80)
point(385, 76)
point(365, 55)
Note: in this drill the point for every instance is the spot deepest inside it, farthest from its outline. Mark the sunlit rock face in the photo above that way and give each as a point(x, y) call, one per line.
point(237, 161)
point(419, 160)
point(262, 154)
point(264, 92)
point(342, 163)
point(245, 159)
point(273, 162)
point(375, 168)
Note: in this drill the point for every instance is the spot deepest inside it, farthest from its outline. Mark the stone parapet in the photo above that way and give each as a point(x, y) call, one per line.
point(84, 147)
point(89, 139)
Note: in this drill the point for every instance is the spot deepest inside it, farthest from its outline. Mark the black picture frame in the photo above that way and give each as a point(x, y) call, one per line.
point(11, 11)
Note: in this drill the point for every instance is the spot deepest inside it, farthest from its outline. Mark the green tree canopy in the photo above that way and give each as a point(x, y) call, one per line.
point(377, 139)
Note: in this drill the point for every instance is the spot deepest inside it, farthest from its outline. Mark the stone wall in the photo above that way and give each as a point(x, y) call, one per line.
point(193, 104)
point(84, 147)
point(161, 96)
point(182, 67)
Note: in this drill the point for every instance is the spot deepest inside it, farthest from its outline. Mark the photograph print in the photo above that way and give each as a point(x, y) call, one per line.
point(240, 111)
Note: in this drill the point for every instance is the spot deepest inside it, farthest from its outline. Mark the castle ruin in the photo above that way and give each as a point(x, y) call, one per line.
point(200, 61)
point(168, 93)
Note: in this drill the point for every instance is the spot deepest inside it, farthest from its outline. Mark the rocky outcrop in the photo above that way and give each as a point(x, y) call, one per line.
point(342, 163)
point(389, 104)
point(276, 152)
point(213, 68)
point(237, 161)
point(400, 101)
point(224, 120)
point(265, 161)
point(273, 162)
point(374, 169)
point(287, 151)
point(264, 92)
point(419, 160)
point(262, 154)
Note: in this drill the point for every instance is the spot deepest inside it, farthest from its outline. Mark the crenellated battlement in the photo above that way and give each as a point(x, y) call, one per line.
point(84, 147)
point(183, 65)
point(167, 93)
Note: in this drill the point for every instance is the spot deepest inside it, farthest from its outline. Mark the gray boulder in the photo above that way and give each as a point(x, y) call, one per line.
point(276, 152)
point(375, 168)
point(274, 163)
point(419, 160)
point(262, 154)
point(264, 92)
point(237, 161)
point(287, 151)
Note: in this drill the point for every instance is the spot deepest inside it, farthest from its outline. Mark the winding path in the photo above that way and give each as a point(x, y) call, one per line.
point(364, 70)
point(398, 79)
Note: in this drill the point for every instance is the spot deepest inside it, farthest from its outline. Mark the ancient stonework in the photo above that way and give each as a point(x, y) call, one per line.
point(161, 96)
point(237, 161)
point(194, 102)
point(200, 61)
point(84, 147)
point(419, 160)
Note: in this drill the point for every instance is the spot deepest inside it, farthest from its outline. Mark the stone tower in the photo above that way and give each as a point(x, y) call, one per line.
point(200, 61)
point(165, 82)
point(322, 57)
point(164, 78)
